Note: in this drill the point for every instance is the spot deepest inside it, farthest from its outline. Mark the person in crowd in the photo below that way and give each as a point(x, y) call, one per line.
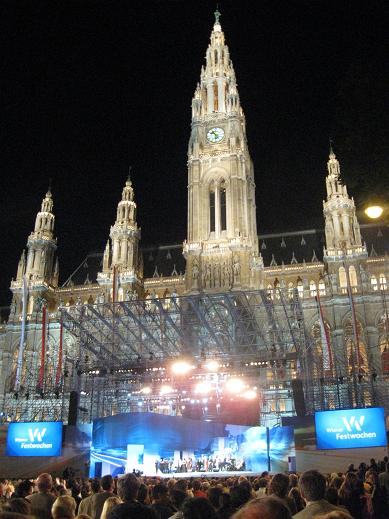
point(214, 495)
point(43, 500)
point(239, 494)
point(383, 481)
point(23, 489)
point(13, 515)
point(373, 465)
point(226, 510)
point(128, 487)
point(378, 495)
point(261, 491)
point(313, 488)
point(85, 506)
point(351, 468)
point(161, 503)
point(352, 495)
point(362, 471)
point(294, 492)
point(198, 508)
point(177, 498)
point(336, 482)
point(98, 499)
point(278, 487)
point(335, 514)
point(109, 504)
point(332, 496)
point(17, 505)
point(75, 491)
point(64, 507)
point(143, 494)
point(264, 508)
point(196, 489)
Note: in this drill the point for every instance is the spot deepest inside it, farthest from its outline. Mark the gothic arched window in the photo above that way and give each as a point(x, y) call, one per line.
point(356, 351)
point(323, 349)
point(342, 279)
point(223, 206)
point(300, 287)
point(373, 283)
point(212, 207)
point(312, 288)
point(322, 287)
point(353, 277)
point(383, 284)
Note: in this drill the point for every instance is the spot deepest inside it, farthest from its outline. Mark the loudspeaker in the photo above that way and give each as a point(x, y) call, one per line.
point(73, 408)
point(298, 397)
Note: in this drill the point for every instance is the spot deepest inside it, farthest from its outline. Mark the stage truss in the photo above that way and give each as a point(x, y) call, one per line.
point(123, 352)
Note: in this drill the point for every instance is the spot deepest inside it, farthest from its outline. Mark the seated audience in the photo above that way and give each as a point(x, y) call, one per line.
point(313, 488)
point(64, 507)
point(264, 508)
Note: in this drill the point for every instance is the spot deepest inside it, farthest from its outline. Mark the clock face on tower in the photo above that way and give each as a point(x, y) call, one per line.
point(215, 135)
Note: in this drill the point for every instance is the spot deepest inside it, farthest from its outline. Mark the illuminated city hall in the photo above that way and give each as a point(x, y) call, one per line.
point(228, 325)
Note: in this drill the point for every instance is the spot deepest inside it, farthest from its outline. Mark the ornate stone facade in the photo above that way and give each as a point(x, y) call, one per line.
point(344, 289)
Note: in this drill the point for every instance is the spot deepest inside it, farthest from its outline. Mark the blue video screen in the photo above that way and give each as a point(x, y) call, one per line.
point(34, 439)
point(350, 428)
point(162, 445)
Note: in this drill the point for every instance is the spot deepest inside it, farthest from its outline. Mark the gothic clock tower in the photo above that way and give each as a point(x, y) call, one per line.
point(222, 244)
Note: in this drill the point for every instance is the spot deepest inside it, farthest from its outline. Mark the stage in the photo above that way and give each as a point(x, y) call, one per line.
point(221, 474)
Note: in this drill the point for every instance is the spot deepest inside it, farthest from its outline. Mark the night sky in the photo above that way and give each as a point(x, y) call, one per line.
point(89, 87)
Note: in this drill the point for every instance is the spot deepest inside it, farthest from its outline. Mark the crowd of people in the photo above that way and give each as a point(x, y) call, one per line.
point(361, 493)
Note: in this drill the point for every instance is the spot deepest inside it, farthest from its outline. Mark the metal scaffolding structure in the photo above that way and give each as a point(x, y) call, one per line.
point(122, 354)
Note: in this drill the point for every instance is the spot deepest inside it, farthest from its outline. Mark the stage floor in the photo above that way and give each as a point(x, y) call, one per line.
point(221, 474)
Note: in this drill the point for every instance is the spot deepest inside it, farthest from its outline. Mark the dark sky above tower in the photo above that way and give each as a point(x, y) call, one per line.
point(89, 87)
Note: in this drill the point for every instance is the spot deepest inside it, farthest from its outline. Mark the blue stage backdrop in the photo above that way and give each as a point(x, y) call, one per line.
point(34, 439)
point(155, 443)
point(350, 428)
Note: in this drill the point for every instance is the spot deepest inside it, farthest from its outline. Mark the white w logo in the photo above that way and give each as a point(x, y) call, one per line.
point(36, 434)
point(353, 422)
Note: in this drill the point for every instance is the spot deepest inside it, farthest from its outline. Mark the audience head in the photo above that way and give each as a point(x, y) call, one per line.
point(160, 491)
point(107, 483)
point(24, 488)
point(64, 507)
point(128, 487)
point(143, 494)
point(279, 485)
point(198, 508)
point(312, 485)
point(44, 482)
point(177, 497)
point(264, 508)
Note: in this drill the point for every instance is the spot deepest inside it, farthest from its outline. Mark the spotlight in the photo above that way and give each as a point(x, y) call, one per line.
point(212, 365)
point(181, 367)
point(235, 385)
point(140, 403)
point(250, 394)
point(166, 390)
point(146, 390)
point(203, 387)
point(374, 211)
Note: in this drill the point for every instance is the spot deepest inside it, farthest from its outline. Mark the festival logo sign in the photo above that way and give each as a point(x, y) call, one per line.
point(350, 428)
point(34, 439)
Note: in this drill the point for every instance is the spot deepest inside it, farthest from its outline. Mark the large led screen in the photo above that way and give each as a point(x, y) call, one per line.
point(350, 428)
point(157, 444)
point(34, 439)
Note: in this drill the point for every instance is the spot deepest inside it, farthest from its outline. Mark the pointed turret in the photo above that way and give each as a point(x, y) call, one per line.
point(217, 91)
point(341, 224)
point(42, 244)
point(125, 234)
point(21, 266)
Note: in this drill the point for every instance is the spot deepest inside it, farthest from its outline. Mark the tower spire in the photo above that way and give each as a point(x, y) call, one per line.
point(341, 224)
